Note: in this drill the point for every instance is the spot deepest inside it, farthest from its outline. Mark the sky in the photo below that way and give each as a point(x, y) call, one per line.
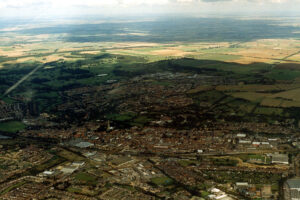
point(73, 8)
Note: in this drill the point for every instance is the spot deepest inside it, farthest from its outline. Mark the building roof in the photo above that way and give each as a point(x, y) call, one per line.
point(241, 135)
point(68, 170)
point(215, 190)
point(267, 143)
point(241, 183)
point(256, 143)
point(80, 163)
point(84, 144)
point(89, 154)
point(294, 183)
point(48, 172)
point(245, 141)
point(280, 158)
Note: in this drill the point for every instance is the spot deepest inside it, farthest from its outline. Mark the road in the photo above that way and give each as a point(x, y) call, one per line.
point(9, 90)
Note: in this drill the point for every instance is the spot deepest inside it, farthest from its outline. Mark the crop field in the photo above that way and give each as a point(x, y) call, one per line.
point(162, 181)
point(43, 48)
point(251, 96)
point(85, 177)
point(247, 88)
point(268, 111)
point(289, 95)
point(282, 99)
point(244, 53)
point(215, 56)
point(271, 102)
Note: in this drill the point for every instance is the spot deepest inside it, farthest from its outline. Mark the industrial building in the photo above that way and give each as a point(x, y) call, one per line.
point(292, 189)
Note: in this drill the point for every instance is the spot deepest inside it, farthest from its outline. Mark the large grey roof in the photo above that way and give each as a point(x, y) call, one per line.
point(84, 144)
point(294, 183)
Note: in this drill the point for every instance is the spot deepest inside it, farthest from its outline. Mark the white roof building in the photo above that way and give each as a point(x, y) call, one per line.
point(241, 184)
point(78, 163)
point(69, 170)
point(241, 135)
point(245, 142)
point(280, 159)
point(84, 144)
point(48, 173)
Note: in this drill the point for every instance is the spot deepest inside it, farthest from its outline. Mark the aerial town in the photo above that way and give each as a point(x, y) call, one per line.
point(166, 143)
point(189, 105)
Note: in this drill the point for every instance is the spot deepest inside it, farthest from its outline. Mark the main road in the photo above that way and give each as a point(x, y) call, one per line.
point(9, 90)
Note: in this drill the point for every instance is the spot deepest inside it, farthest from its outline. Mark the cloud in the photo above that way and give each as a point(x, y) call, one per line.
point(76, 7)
point(107, 3)
point(27, 3)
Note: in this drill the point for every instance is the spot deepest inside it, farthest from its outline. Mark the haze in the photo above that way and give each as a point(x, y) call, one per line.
point(75, 8)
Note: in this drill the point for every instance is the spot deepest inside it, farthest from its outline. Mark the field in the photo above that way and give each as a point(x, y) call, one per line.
point(85, 177)
point(69, 155)
point(54, 161)
point(41, 48)
point(162, 181)
point(12, 126)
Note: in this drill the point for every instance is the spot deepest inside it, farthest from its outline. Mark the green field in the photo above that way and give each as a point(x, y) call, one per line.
point(186, 163)
point(217, 56)
point(162, 181)
point(85, 177)
point(12, 126)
